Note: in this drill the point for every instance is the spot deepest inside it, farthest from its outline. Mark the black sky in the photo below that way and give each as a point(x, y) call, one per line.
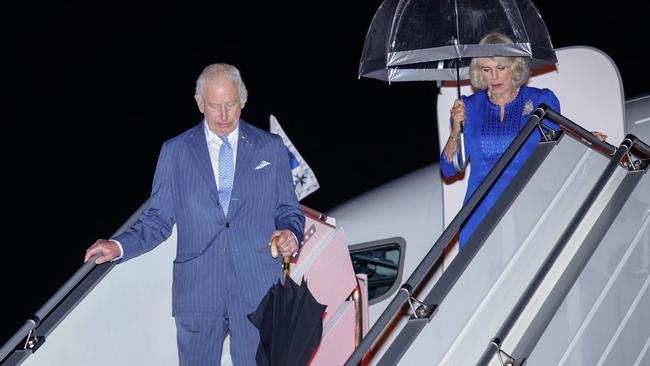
point(100, 86)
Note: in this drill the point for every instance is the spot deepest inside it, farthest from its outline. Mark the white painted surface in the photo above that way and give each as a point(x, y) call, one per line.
point(126, 319)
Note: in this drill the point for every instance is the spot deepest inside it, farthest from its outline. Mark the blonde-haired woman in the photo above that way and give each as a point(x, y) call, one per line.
point(492, 119)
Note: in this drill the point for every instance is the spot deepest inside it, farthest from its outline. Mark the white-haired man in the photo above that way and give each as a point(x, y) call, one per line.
point(227, 187)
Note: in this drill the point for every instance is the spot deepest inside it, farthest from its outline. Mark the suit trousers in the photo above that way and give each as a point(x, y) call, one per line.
point(200, 335)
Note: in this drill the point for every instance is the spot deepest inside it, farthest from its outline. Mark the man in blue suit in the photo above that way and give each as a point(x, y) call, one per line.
point(227, 187)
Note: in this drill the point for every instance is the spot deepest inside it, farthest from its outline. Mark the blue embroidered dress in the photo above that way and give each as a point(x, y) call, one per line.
point(487, 137)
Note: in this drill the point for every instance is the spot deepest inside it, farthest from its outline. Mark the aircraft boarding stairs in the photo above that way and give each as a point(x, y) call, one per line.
point(557, 273)
point(121, 314)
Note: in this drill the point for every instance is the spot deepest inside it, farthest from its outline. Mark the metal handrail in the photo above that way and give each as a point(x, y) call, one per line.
point(436, 252)
point(578, 131)
point(28, 329)
point(494, 345)
point(32, 322)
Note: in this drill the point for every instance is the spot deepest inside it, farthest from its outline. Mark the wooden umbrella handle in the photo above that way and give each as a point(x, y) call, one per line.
point(274, 247)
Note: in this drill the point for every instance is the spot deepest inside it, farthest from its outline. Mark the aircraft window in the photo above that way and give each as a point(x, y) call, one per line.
point(382, 261)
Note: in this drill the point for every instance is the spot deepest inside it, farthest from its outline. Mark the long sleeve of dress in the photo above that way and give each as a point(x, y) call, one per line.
point(447, 167)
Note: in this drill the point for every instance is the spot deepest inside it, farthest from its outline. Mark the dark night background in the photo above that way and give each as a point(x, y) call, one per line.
point(100, 86)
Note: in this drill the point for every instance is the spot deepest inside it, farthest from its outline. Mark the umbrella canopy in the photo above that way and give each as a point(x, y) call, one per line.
point(412, 40)
point(290, 322)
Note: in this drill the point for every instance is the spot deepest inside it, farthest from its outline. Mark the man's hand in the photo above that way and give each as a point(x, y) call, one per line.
point(287, 244)
point(108, 250)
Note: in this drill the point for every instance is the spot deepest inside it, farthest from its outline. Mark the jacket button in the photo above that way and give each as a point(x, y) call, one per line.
point(227, 224)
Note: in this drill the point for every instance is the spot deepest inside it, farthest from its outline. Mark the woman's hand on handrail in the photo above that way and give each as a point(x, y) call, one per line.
point(599, 135)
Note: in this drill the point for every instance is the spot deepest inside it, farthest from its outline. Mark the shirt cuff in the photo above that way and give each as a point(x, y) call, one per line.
point(295, 254)
point(121, 250)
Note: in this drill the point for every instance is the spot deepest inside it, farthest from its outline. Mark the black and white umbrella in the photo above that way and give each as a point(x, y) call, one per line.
point(419, 40)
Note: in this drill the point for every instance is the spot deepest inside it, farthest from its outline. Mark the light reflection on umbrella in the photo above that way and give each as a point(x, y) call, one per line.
point(415, 40)
point(435, 40)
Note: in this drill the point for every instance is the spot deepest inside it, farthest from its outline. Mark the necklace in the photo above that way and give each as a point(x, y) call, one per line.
point(509, 101)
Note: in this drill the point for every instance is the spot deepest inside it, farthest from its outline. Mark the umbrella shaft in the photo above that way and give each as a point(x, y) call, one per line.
point(458, 78)
point(286, 266)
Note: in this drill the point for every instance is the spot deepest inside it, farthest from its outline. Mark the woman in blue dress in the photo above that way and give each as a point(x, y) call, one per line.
point(493, 116)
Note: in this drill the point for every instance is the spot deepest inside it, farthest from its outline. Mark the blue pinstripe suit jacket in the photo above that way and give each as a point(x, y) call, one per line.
point(185, 193)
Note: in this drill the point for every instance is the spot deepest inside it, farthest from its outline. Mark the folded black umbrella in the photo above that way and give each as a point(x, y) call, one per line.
point(290, 322)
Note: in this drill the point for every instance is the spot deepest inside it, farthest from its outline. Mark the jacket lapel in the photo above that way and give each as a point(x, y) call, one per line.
point(198, 147)
point(245, 152)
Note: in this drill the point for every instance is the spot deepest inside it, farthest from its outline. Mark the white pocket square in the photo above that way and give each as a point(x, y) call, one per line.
point(263, 164)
